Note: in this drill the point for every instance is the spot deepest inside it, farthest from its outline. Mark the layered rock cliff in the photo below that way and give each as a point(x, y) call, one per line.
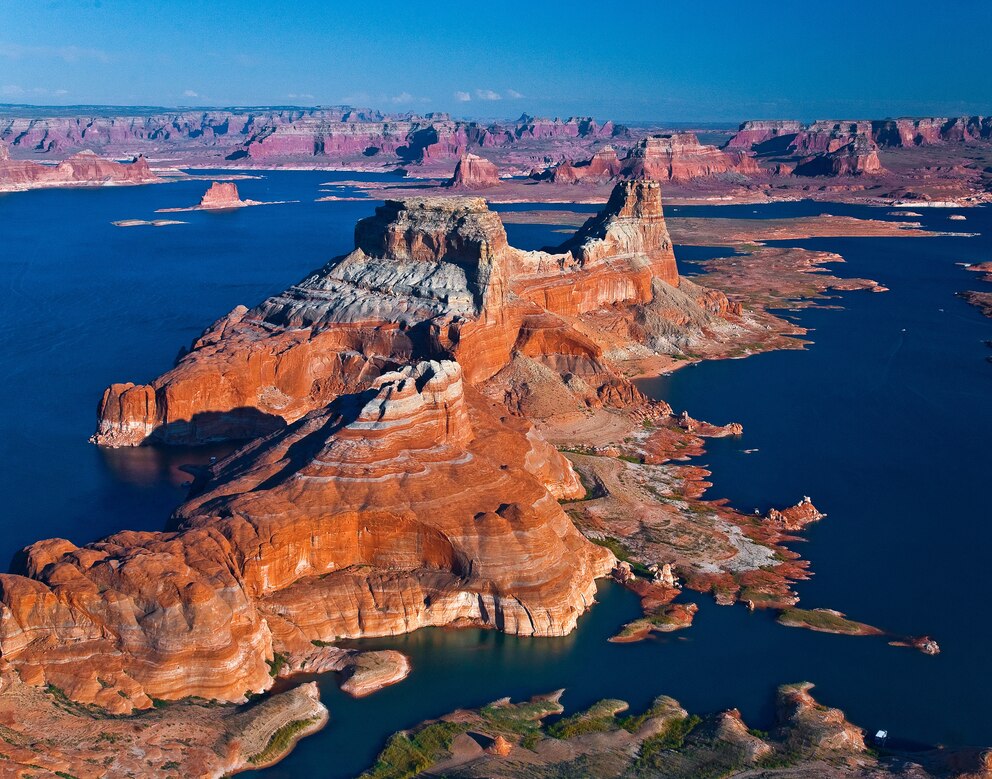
point(679, 157)
point(414, 502)
point(341, 134)
point(430, 278)
point(829, 135)
point(857, 158)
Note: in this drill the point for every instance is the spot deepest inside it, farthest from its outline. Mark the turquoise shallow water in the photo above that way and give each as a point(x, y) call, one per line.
point(883, 420)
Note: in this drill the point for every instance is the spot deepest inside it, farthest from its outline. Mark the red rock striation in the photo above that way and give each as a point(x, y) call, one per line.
point(82, 169)
point(412, 503)
point(754, 133)
point(680, 157)
point(474, 172)
point(677, 158)
point(830, 135)
point(430, 278)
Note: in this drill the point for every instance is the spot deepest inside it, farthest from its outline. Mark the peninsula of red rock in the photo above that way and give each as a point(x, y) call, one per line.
point(403, 404)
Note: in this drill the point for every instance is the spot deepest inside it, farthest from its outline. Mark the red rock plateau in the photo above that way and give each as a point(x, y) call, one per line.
point(678, 157)
point(830, 135)
point(474, 172)
point(893, 160)
point(82, 169)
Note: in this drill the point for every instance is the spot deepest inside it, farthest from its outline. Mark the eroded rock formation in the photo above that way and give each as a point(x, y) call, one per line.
point(857, 158)
point(412, 503)
point(474, 172)
point(430, 278)
point(608, 741)
point(830, 135)
point(82, 169)
point(222, 195)
point(340, 134)
point(678, 158)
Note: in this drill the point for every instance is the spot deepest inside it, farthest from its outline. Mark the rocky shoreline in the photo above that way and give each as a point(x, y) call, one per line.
point(506, 740)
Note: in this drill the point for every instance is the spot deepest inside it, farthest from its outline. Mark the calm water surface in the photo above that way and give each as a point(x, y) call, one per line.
point(883, 421)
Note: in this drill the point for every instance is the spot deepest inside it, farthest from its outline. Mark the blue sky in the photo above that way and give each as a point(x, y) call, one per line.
point(632, 61)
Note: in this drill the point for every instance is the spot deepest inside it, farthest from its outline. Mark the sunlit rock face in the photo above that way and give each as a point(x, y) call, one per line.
point(409, 504)
point(474, 172)
point(680, 157)
point(430, 278)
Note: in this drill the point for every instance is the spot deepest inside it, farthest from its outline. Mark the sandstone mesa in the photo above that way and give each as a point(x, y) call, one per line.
point(81, 169)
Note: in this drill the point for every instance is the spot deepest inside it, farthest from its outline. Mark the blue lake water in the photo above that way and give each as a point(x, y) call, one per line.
point(884, 421)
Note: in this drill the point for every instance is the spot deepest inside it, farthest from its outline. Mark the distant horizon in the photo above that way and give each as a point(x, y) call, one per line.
point(653, 59)
point(79, 108)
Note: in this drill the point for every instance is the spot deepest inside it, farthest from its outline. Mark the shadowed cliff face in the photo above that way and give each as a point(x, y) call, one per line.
point(430, 278)
point(407, 505)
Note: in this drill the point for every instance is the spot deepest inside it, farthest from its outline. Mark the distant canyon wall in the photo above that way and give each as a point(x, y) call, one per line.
point(285, 134)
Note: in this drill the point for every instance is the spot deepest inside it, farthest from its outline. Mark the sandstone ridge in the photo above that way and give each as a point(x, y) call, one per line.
point(415, 502)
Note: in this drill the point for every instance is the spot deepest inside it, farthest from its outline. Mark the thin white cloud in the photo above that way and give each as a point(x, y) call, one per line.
point(401, 99)
point(300, 96)
point(190, 93)
point(359, 98)
point(60, 92)
point(488, 94)
point(513, 94)
point(11, 90)
point(66, 53)
point(463, 97)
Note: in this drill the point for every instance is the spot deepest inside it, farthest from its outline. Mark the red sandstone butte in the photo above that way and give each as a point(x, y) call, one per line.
point(222, 195)
point(857, 158)
point(430, 278)
point(474, 172)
